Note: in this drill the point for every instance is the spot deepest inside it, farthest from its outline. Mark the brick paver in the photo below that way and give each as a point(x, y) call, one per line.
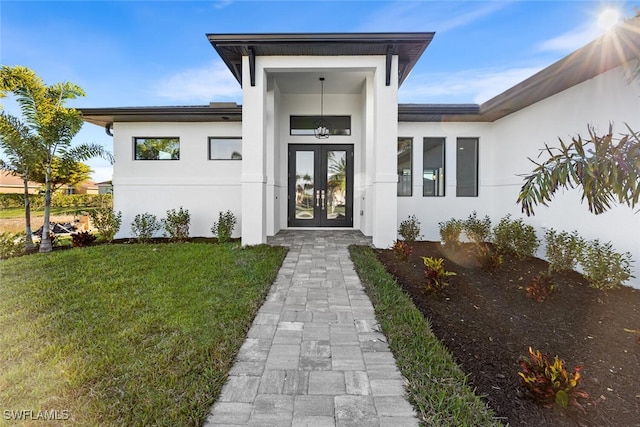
point(314, 355)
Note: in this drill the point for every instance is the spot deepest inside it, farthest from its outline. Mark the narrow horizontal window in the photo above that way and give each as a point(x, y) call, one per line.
point(221, 148)
point(157, 148)
point(304, 125)
point(467, 167)
point(405, 187)
point(433, 167)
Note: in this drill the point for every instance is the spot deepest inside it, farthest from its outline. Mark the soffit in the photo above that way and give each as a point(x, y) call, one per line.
point(200, 113)
point(407, 46)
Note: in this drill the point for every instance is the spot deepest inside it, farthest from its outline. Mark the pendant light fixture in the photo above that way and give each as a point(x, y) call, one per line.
point(322, 127)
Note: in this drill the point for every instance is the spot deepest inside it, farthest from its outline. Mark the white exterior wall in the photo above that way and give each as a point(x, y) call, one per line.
point(204, 187)
point(504, 148)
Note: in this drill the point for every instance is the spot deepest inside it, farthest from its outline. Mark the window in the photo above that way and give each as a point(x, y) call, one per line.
point(467, 167)
point(221, 148)
point(157, 148)
point(304, 125)
point(433, 167)
point(404, 166)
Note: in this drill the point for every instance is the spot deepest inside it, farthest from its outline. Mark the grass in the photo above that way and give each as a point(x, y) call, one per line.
point(127, 334)
point(436, 386)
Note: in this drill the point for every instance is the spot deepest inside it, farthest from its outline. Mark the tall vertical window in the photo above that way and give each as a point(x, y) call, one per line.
point(157, 148)
point(433, 167)
point(467, 167)
point(225, 148)
point(404, 166)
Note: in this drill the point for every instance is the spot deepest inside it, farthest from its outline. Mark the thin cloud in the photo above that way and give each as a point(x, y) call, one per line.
point(468, 86)
point(213, 82)
point(571, 40)
point(429, 16)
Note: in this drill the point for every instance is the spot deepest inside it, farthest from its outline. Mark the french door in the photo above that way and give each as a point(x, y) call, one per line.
point(320, 185)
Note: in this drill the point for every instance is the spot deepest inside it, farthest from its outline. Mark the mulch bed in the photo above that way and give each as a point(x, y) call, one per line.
point(488, 323)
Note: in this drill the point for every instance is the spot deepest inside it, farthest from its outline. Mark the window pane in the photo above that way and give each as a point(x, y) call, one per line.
point(467, 167)
point(304, 125)
point(305, 187)
point(404, 166)
point(433, 167)
point(225, 148)
point(157, 148)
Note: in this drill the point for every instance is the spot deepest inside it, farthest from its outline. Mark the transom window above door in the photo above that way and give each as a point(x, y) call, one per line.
point(305, 125)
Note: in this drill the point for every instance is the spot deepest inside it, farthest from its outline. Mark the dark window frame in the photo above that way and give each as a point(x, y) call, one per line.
point(443, 144)
point(135, 147)
point(212, 138)
point(476, 180)
point(308, 131)
point(410, 167)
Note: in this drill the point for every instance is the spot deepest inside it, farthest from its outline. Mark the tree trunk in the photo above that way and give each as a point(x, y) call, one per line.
point(28, 242)
point(45, 242)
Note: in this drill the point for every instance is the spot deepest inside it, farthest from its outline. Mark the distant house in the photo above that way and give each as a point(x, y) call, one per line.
point(105, 187)
point(320, 140)
point(14, 184)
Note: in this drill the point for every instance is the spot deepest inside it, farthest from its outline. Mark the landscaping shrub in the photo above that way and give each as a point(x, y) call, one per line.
point(223, 227)
point(488, 259)
point(541, 287)
point(515, 237)
point(548, 382)
point(16, 200)
point(11, 244)
point(477, 230)
point(144, 227)
point(81, 239)
point(106, 221)
point(402, 250)
point(562, 250)
point(176, 224)
point(450, 232)
point(603, 267)
point(435, 273)
point(410, 229)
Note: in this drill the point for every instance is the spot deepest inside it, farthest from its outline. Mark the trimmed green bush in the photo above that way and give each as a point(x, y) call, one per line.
point(176, 224)
point(144, 226)
point(107, 222)
point(477, 230)
point(515, 237)
point(16, 201)
point(11, 244)
point(603, 267)
point(450, 232)
point(410, 229)
point(563, 249)
point(223, 227)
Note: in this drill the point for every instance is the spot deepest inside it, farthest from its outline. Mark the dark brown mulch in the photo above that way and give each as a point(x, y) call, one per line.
point(488, 323)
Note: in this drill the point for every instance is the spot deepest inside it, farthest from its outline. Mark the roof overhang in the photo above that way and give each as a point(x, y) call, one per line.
point(215, 112)
point(407, 46)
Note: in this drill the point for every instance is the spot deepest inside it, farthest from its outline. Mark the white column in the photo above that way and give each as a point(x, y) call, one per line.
point(253, 157)
point(386, 140)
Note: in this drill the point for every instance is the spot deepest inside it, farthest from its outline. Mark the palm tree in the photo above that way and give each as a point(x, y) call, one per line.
point(51, 124)
point(19, 146)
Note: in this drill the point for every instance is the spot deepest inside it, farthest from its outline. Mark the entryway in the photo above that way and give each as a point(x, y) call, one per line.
point(320, 185)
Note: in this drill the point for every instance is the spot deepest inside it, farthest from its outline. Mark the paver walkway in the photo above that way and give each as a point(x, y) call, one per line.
point(314, 356)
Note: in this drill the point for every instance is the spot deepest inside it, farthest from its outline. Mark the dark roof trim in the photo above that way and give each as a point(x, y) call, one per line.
point(439, 113)
point(408, 46)
point(216, 112)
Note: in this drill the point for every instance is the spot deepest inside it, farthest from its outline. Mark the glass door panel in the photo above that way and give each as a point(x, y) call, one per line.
point(336, 176)
point(304, 185)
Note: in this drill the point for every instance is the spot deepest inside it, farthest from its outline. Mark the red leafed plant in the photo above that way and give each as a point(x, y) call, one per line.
point(550, 382)
point(402, 250)
point(541, 287)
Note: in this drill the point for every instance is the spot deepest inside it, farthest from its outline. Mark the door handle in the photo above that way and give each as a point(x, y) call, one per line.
point(317, 197)
point(322, 198)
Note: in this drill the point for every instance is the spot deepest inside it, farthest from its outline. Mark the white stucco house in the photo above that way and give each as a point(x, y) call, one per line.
point(376, 161)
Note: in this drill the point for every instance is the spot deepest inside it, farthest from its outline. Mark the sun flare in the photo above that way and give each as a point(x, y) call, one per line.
point(609, 18)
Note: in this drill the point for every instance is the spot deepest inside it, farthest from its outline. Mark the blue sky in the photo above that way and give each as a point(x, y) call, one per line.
point(149, 53)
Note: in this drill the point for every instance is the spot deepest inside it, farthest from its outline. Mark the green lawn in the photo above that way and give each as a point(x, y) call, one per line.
point(127, 334)
point(436, 386)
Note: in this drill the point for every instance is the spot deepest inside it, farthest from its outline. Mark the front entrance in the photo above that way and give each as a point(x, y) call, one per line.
point(320, 185)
